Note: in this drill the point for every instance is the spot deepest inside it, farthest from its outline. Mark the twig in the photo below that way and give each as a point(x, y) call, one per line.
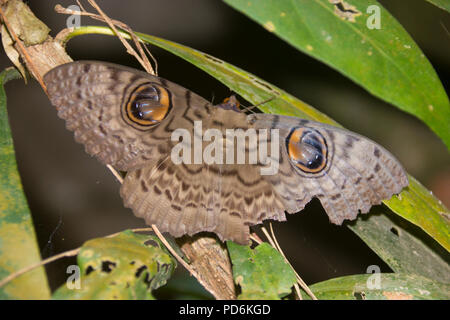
point(255, 238)
point(172, 251)
point(299, 279)
point(274, 245)
point(180, 260)
point(142, 58)
point(299, 294)
point(115, 173)
point(14, 275)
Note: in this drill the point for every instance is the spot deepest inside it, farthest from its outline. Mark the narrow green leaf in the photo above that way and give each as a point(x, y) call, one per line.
point(401, 245)
point(18, 245)
point(387, 286)
point(385, 61)
point(432, 216)
point(443, 4)
point(261, 272)
point(126, 266)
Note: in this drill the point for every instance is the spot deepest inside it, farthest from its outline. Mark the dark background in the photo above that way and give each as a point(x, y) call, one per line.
point(74, 198)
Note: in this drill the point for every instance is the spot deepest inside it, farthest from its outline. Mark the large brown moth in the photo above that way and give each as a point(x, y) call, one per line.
point(127, 118)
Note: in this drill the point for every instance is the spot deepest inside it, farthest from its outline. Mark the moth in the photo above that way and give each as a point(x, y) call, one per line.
point(127, 118)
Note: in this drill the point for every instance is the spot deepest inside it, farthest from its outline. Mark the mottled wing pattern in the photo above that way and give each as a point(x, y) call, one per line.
point(180, 199)
point(187, 199)
point(190, 198)
point(359, 173)
point(89, 95)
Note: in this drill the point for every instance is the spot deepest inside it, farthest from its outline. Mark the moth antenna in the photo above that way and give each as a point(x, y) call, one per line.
point(257, 105)
point(232, 103)
point(212, 98)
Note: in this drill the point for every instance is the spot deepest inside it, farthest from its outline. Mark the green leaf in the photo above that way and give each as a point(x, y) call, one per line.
point(419, 206)
point(380, 286)
point(126, 266)
point(443, 4)
point(262, 273)
point(386, 61)
point(401, 245)
point(18, 245)
point(432, 216)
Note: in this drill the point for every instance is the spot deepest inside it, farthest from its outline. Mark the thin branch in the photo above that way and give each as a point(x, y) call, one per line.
point(274, 245)
point(115, 173)
point(14, 275)
point(299, 294)
point(255, 238)
point(142, 58)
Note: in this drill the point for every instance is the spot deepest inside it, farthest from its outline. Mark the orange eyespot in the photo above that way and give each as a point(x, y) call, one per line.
point(307, 149)
point(148, 104)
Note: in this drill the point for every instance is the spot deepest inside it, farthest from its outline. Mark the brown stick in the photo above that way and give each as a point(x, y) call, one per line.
point(210, 260)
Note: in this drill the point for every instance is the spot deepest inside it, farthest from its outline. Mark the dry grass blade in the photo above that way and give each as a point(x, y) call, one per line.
point(141, 57)
point(115, 173)
point(256, 238)
point(273, 241)
point(16, 274)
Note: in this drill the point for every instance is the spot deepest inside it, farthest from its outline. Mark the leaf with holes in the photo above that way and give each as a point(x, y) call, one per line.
point(401, 244)
point(126, 266)
point(378, 286)
point(262, 272)
point(18, 244)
